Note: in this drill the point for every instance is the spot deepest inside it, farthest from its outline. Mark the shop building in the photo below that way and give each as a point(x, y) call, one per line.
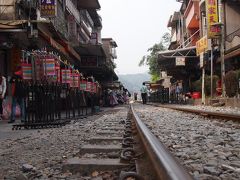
point(71, 30)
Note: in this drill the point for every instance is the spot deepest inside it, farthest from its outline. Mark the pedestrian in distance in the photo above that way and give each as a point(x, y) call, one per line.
point(135, 96)
point(3, 88)
point(144, 91)
point(18, 96)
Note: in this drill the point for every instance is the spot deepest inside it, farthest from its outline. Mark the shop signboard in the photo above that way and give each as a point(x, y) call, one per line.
point(212, 19)
point(180, 61)
point(48, 8)
point(94, 38)
point(202, 45)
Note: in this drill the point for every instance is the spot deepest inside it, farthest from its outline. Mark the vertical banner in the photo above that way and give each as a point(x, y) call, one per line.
point(48, 8)
point(212, 19)
point(202, 45)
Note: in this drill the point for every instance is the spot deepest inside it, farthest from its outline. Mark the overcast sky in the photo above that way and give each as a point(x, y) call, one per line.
point(135, 25)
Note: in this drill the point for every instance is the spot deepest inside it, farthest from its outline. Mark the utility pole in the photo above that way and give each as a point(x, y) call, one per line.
point(222, 48)
point(211, 70)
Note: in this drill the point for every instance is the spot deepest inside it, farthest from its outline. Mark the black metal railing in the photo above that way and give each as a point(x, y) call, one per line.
point(54, 104)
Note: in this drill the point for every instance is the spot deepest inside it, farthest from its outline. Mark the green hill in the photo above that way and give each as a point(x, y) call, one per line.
point(133, 82)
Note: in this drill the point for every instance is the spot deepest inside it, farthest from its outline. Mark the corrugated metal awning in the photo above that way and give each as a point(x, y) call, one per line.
point(183, 52)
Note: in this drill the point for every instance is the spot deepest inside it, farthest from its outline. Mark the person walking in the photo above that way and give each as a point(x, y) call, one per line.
point(144, 91)
point(18, 96)
point(3, 88)
point(135, 96)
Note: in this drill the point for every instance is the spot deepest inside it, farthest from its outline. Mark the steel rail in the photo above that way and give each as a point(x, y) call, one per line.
point(220, 115)
point(166, 165)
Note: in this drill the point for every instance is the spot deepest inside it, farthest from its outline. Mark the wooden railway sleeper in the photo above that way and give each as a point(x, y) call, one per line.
point(130, 175)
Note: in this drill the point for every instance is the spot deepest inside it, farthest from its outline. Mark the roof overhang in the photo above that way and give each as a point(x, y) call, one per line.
point(173, 19)
point(13, 26)
point(89, 4)
point(167, 59)
point(95, 17)
point(183, 52)
point(90, 50)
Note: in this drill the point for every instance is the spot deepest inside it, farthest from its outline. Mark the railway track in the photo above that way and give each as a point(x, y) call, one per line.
point(210, 114)
point(125, 149)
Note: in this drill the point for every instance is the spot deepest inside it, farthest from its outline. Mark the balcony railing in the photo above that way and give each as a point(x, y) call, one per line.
point(84, 16)
point(60, 23)
point(73, 10)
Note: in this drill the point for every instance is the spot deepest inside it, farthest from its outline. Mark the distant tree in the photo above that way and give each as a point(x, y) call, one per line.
point(151, 59)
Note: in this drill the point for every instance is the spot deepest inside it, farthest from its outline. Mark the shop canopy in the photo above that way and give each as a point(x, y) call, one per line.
point(183, 52)
point(179, 62)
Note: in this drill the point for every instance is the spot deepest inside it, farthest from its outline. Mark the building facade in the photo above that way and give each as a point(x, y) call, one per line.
point(69, 29)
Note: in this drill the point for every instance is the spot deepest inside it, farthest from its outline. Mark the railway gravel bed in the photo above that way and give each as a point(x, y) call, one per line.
point(208, 148)
point(230, 110)
point(40, 154)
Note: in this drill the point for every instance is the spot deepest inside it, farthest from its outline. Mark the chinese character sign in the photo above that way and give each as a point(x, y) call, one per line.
point(48, 8)
point(212, 18)
point(202, 45)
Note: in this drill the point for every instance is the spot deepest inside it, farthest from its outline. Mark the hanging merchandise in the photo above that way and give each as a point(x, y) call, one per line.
point(89, 86)
point(26, 67)
point(75, 80)
point(38, 67)
point(83, 85)
point(49, 67)
point(58, 73)
point(66, 76)
point(57, 76)
point(93, 87)
point(26, 71)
